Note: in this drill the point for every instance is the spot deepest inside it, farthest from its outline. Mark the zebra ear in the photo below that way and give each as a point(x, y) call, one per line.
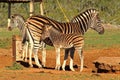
point(96, 14)
point(48, 27)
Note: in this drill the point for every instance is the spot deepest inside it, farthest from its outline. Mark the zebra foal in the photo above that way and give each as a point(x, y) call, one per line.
point(60, 40)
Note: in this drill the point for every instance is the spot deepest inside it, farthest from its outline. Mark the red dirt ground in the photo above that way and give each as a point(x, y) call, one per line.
point(89, 57)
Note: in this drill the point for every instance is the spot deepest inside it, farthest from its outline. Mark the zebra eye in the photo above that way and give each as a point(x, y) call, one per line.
point(12, 16)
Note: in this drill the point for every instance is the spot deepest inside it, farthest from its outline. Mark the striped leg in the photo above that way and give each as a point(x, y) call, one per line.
point(23, 52)
point(26, 50)
point(72, 50)
point(57, 59)
point(80, 52)
point(30, 48)
point(43, 54)
point(36, 57)
point(35, 51)
point(65, 59)
point(30, 53)
point(33, 48)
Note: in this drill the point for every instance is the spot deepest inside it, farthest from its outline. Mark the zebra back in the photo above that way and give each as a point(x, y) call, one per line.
point(62, 40)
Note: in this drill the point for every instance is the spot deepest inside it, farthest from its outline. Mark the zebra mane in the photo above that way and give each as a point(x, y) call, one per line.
point(88, 11)
point(14, 15)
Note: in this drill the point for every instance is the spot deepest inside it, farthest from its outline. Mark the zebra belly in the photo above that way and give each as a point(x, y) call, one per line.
point(63, 45)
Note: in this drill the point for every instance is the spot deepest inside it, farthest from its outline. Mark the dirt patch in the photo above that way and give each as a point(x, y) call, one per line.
point(90, 56)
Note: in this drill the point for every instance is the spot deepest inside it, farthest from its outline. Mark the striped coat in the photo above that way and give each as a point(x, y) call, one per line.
point(61, 40)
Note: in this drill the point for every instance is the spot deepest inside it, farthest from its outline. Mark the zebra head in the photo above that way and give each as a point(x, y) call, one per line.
point(89, 19)
point(45, 32)
point(49, 30)
point(16, 20)
point(96, 23)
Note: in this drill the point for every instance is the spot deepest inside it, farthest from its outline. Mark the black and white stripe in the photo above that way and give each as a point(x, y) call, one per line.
point(61, 40)
point(79, 25)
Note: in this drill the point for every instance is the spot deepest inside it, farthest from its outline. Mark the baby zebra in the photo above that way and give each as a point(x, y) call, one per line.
point(60, 40)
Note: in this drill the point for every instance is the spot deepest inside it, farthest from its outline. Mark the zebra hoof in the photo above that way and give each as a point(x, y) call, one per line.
point(31, 66)
point(63, 68)
point(72, 69)
point(39, 66)
point(57, 68)
point(43, 65)
point(25, 59)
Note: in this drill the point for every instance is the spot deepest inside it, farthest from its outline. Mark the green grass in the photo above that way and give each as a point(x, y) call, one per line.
point(6, 37)
point(15, 66)
point(111, 38)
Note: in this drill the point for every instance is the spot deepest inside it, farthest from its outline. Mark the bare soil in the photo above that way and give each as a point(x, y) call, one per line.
point(48, 73)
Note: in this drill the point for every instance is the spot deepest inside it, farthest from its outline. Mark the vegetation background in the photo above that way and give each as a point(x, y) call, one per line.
point(109, 9)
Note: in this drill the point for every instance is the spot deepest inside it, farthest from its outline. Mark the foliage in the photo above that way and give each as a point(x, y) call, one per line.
point(109, 9)
point(15, 66)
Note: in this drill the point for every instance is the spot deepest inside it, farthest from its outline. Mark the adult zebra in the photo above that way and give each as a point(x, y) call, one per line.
point(85, 20)
point(19, 21)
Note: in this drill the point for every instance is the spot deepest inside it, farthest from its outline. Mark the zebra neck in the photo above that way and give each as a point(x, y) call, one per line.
point(83, 28)
point(21, 26)
point(83, 21)
point(54, 34)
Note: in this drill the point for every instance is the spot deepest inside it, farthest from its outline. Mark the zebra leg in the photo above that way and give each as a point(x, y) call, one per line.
point(26, 50)
point(43, 54)
point(65, 59)
point(80, 52)
point(36, 57)
point(72, 50)
point(57, 59)
point(23, 52)
point(30, 54)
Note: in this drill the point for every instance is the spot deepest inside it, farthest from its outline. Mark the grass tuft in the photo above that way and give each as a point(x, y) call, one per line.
point(15, 66)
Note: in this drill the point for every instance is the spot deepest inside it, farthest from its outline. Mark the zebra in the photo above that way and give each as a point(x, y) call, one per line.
point(20, 24)
point(60, 40)
point(84, 21)
point(18, 21)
